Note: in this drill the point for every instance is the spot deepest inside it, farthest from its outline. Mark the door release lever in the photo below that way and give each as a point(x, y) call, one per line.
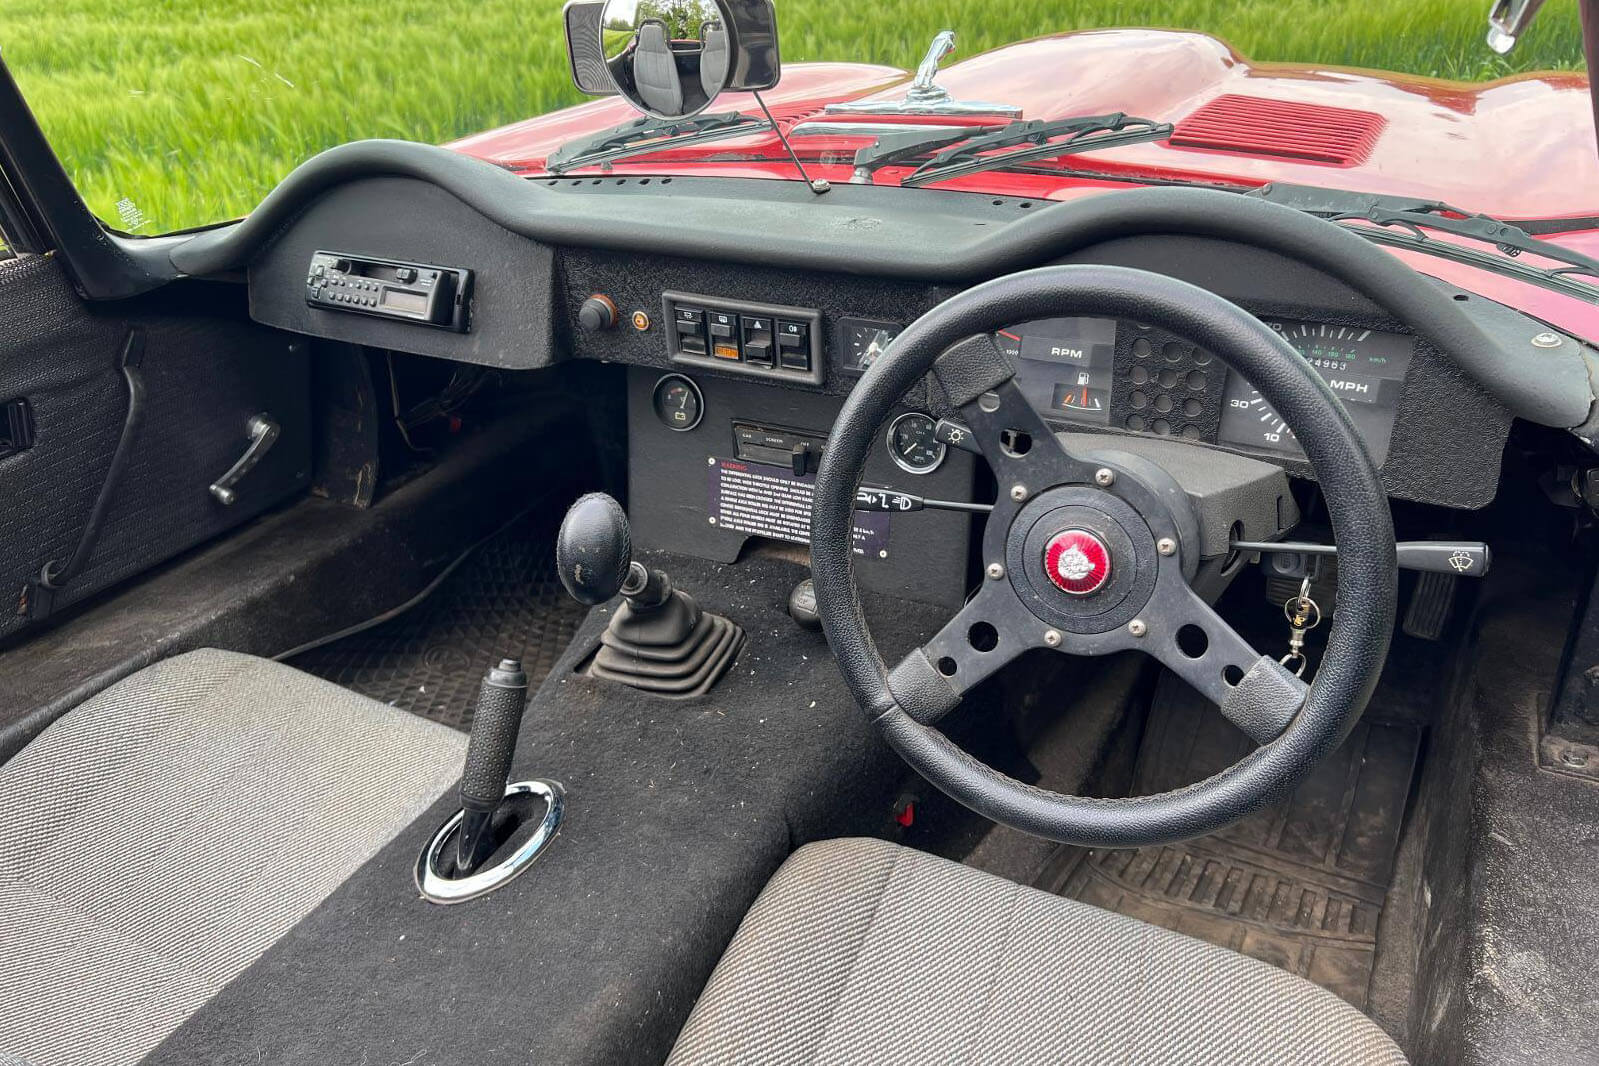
point(263, 434)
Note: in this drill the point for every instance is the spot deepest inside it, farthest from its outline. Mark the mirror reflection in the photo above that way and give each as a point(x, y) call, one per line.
point(669, 58)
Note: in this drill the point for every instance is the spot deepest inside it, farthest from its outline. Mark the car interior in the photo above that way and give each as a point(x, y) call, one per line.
point(459, 617)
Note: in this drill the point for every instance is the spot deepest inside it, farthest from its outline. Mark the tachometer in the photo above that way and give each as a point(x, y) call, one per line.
point(1064, 366)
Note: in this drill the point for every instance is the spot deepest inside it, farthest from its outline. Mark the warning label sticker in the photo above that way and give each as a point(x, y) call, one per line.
point(770, 501)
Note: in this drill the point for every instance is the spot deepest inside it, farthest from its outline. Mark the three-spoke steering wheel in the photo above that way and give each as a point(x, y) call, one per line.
point(1091, 555)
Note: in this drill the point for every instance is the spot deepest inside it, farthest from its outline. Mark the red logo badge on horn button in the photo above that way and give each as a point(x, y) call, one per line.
point(1077, 562)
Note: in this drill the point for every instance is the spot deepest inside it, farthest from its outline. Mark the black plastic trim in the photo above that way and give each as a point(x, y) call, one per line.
point(910, 234)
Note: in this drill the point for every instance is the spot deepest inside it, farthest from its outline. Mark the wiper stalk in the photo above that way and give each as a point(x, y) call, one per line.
point(649, 135)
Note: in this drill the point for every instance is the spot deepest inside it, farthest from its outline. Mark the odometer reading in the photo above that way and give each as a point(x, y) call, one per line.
point(1365, 367)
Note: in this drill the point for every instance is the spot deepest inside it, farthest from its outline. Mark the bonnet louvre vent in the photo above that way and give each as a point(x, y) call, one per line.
point(1336, 136)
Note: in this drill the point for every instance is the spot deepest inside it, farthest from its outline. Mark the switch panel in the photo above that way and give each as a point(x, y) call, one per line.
point(758, 340)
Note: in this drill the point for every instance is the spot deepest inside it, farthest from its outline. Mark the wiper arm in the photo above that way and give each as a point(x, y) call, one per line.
point(893, 148)
point(644, 135)
point(1336, 205)
point(1036, 139)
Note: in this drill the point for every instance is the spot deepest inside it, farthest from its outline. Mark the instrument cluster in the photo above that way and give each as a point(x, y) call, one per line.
point(1100, 372)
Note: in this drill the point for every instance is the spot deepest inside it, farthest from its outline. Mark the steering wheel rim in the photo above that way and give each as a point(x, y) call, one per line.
point(953, 341)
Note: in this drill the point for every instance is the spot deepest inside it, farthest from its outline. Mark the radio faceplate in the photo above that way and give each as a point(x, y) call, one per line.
point(410, 292)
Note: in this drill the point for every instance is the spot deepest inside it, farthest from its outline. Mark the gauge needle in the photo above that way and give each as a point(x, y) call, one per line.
point(1012, 336)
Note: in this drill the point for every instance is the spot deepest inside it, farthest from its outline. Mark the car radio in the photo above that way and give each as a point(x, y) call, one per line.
point(410, 292)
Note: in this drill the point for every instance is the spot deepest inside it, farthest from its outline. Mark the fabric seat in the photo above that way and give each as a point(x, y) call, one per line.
point(859, 951)
point(157, 839)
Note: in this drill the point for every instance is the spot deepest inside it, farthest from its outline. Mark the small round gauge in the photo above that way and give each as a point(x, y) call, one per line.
point(678, 403)
point(913, 443)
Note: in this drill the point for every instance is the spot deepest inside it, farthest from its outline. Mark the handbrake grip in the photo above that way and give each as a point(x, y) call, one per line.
point(495, 725)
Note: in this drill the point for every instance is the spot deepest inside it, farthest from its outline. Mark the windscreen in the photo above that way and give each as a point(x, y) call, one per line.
point(173, 115)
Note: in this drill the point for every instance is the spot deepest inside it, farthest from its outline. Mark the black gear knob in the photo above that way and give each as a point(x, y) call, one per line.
point(594, 549)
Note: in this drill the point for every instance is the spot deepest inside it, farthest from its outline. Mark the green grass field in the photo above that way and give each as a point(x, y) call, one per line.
point(176, 113)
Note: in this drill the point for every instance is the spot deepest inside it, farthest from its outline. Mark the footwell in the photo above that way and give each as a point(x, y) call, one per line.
point(1299, 885)
point(503, 600)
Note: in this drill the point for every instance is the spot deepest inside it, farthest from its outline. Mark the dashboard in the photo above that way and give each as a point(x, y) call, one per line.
point(740, 349)
point(544, 272)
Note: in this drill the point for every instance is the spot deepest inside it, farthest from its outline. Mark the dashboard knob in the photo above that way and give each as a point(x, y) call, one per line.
point(597, 313)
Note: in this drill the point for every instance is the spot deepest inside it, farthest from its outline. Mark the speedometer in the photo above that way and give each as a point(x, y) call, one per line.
point(1365, 367)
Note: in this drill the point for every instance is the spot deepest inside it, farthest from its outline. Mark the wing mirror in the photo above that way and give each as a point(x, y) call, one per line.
point(671, 58)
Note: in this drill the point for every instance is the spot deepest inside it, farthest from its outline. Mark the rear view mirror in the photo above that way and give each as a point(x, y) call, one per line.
point(691, 50)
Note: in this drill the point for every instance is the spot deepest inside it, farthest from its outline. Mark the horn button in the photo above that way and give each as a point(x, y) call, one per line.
point(1077, 562)
point(1081, 559)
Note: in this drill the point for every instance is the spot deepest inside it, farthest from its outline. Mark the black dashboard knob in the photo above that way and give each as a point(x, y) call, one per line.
point(594, 549)
point(597, 313)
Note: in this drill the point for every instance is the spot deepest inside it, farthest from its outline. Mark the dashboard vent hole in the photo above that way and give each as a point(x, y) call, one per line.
point(1314, 133)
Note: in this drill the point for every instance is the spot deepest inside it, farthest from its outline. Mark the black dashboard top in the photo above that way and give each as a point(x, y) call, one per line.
point(1429, 370)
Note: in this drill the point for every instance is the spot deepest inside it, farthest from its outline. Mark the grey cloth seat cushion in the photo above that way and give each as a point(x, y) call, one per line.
point(157, 839)
point(859, 951)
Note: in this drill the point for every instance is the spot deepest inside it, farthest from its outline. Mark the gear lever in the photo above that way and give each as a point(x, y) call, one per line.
point(495, 725)
point(659, 640)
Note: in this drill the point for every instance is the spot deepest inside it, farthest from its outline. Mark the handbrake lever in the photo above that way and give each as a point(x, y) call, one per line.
point(495, 726)
point(1466, 558)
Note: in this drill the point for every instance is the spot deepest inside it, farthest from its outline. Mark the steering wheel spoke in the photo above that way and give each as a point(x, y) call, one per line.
point(971, 647)
point(1014, 438)
point(1253, 691)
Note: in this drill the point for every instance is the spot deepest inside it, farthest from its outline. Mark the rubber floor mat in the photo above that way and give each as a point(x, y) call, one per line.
point(505, 600)
point(1299, 885)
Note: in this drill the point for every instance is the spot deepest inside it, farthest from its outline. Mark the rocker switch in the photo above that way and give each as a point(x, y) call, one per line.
point(757, 332)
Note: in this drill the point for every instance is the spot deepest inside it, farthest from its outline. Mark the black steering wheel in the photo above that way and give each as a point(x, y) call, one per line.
point(1093, 554)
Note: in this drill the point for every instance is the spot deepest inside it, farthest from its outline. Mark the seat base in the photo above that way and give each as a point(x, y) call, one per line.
point(157, 839)
point(860, 951)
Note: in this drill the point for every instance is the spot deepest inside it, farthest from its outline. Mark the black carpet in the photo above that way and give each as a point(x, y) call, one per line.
point(1300, 885)
point(677, 813)
point(504, 601)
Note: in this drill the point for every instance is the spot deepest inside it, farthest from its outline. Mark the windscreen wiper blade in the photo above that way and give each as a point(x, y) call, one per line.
point(1035, 139)
point(893, 148)
point(1337, 205)
point(646, 134)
